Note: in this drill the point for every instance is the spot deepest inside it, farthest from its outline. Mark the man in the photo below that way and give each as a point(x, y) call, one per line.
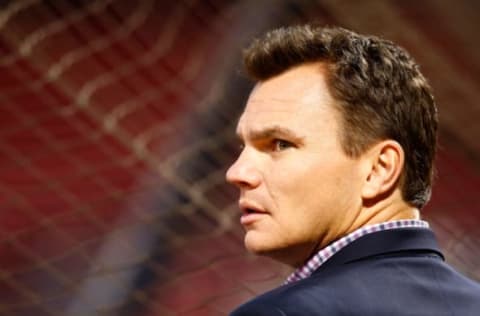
point(339, 138)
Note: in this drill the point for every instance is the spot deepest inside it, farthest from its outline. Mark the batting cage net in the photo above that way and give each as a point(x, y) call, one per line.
point(116, 127)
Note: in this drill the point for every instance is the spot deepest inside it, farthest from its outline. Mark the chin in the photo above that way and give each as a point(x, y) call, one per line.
point(254, 247)
point(290, 255)
point(257, 245)
point(264, 249)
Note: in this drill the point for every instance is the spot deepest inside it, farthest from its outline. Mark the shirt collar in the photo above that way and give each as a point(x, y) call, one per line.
point(324, 254)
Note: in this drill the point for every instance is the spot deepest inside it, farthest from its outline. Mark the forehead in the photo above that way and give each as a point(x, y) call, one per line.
point(297, 98)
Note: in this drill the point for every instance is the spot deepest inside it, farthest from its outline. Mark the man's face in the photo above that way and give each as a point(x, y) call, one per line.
point(298, 190)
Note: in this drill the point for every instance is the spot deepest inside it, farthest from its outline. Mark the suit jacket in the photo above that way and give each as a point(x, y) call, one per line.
point(392, 272)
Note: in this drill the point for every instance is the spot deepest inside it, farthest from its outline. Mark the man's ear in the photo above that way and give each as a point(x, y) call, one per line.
point(385, 162)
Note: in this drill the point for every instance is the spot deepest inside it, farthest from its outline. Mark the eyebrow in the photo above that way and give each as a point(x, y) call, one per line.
point(272, 132)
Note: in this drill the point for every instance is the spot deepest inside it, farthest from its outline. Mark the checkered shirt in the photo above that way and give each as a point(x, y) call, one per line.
point(324, 254)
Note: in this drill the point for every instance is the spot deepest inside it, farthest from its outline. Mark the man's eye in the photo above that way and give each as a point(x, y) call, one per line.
point(280, 144)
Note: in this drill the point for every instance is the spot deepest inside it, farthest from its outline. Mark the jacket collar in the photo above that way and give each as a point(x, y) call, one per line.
point(384, 243)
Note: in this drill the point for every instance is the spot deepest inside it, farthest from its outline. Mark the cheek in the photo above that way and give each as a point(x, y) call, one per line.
point(296, 191)
point(318, 185)
point(281, 183)
point(311, 178)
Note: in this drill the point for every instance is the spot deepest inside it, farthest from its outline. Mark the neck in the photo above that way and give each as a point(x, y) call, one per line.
point(394, 208)
point(390, 209)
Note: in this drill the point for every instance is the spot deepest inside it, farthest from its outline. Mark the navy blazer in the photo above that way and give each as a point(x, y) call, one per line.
point(392, 272)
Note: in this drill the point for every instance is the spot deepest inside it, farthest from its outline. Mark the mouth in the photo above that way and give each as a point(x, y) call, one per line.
point(250, 208)
point(250, 212)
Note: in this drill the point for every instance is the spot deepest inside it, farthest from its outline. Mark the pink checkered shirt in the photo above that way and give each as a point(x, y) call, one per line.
point(324, 254)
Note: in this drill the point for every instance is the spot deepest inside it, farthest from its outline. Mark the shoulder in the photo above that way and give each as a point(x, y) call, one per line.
point(300, 298)
point(258, 308)
point(368, 287)
point(334, 290)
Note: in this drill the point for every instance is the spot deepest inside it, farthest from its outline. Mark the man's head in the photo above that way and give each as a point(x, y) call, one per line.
point(379, 90)
point(338, 122)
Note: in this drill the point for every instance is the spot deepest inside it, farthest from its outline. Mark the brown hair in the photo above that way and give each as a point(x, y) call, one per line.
point(380, 91)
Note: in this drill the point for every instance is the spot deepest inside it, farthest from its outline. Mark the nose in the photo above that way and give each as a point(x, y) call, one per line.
point(243, 173)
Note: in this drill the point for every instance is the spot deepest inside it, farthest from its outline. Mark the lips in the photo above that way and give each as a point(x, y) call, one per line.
point(251, 212)
point(248, 207)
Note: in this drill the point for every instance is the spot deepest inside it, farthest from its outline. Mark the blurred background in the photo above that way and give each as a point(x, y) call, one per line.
point(116, 127)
